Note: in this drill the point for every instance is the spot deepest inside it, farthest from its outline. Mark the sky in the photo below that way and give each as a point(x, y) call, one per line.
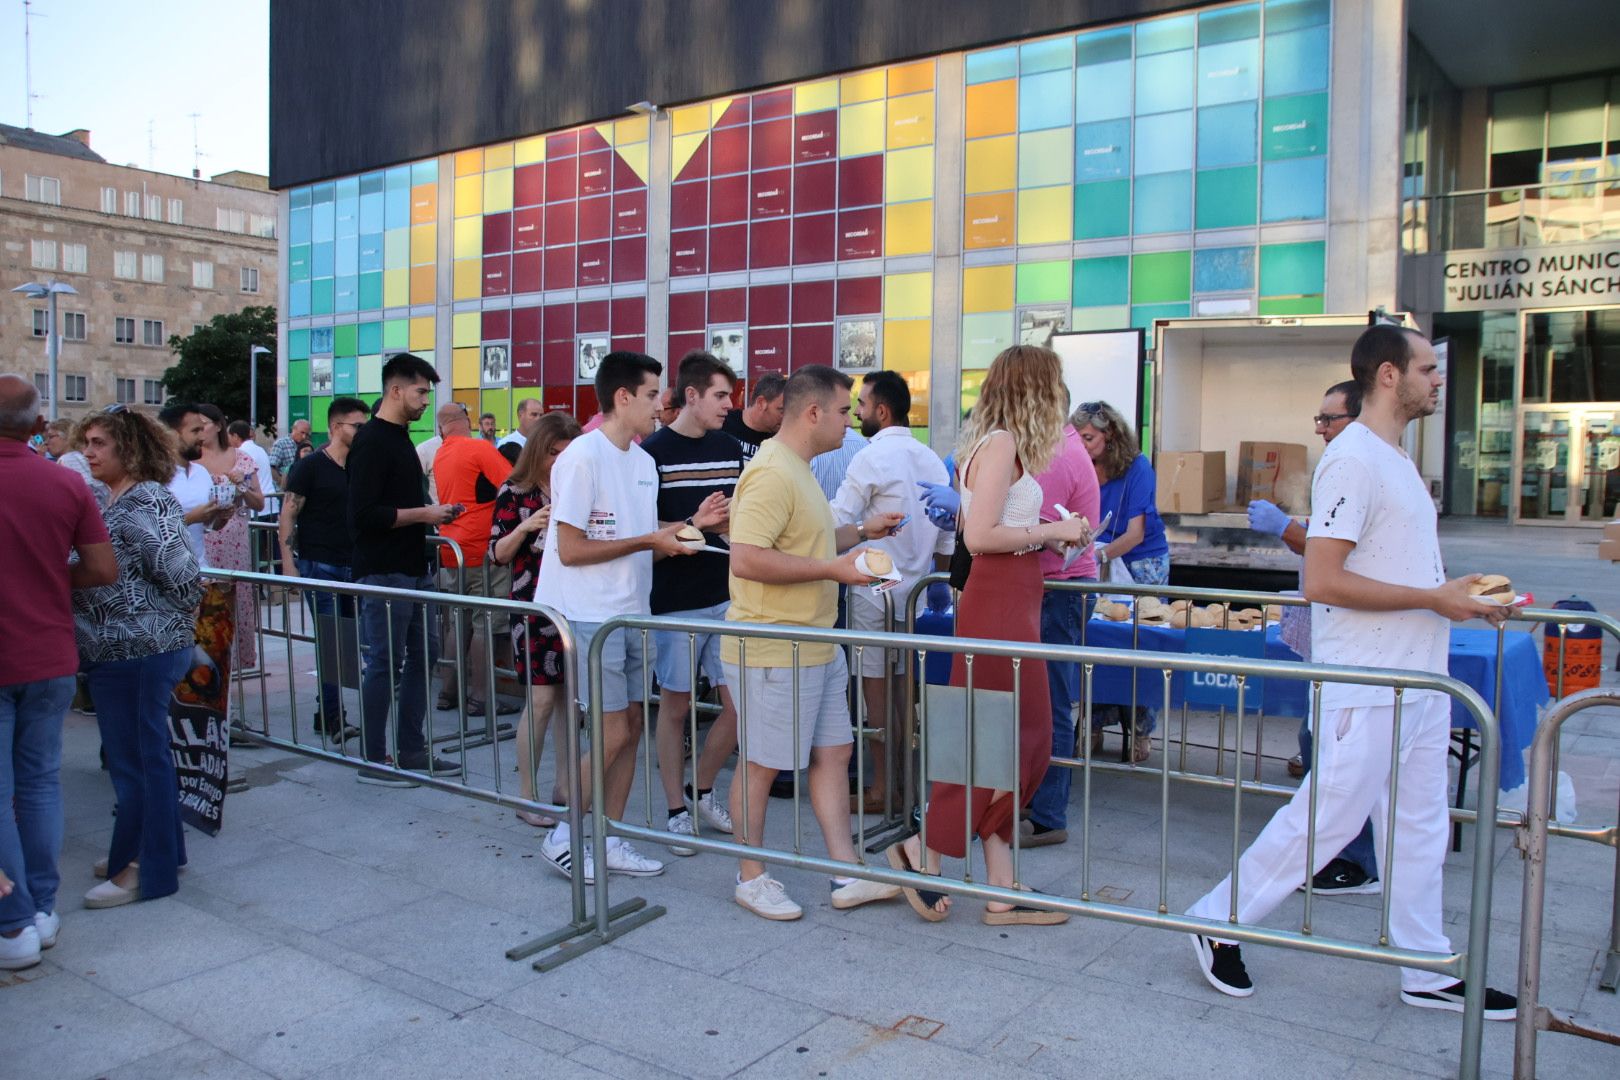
point(133, 72)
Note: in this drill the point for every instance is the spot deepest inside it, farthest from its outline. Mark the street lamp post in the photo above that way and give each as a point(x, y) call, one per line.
point(53, 338)
point(254, 352)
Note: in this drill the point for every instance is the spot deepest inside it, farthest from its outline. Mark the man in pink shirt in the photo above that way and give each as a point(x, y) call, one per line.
point(46, 513)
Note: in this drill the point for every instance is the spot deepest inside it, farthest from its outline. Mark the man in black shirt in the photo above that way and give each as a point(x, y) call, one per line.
point(763, 416)
point(698, 466)
point(389, 517)
point(316, 503)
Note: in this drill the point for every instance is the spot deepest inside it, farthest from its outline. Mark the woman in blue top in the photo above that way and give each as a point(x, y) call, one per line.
point(1134, 536)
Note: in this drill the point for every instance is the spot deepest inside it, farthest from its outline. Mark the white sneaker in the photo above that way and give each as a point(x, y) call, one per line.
point(21, 951)
point(860, 891)
point(714, 814)
point(555, 850)
point(765, 897)
point(681, 825)
point(622, 858)
point(48, 925)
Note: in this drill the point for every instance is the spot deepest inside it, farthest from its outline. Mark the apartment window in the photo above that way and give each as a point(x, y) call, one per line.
point(263, 225)
point(42, 322)
point(230, 220)
point(45, 189)
point(151, 392)
point(43, 254)
point(75, 258)
point(109, 200)
point(177, 213)
point(250, 279)
point(152, 332)
point(152, 268)
point(75, 388)
point(73, 325)
point(126, 391)
point(123, 331)
point(132, 204)
point(42, 383)
point(124, 265)
point(154, 208)
point(202, 274)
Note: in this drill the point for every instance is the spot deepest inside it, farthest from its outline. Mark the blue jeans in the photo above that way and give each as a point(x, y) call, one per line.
point(1361, 850)
point(397, 675)
point(132, 710)
point(31, 780)
point(1063, 616)
point(327, 608)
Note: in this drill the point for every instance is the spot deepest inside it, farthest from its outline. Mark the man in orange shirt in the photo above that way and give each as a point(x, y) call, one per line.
point(469, 472)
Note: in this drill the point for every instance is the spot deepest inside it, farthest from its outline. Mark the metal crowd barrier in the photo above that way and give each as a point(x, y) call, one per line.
point(1469, 965)
point(1534, 1017)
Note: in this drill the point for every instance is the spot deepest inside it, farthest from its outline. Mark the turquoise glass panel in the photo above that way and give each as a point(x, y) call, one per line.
point(298, 222)
point(1229, 24)
point(1044, 101)
point(1295, 126)
point(346, 294)
point(371, 252)
point(371, 290)
point(425, 172)
point(369, 338)
point(1163, 203)
point(324, 193)
point(298, 302)
point(1293, 190)
point(346, 375)
point(1292, 269)
point(347, 256)
point(1164, 35)
point(1228, 72)
point(371, 183)
point(1164, 143)
point(1297, 62)
point(298, 345)
point(992, 65)
point(1099, 282)
point(371, 212)
point(1102, 151)
point(1102, 46)
point(396, 208)
point(1284, 15)
point(1103, 92)
point(320, 297)
point(321, 261)
point(1164, 82)
point(1227, 134)
point(298, 262)
point(299, 198)
point(1223, 269)
point(1051, 55)
point(1142, 315)
point(1227, 197)
point(1102, 209)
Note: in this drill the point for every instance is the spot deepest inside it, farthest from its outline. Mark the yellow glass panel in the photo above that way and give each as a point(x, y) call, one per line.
point(816, 96)
point(909, 174)
point(467, 279)
point(987, 220)
point(469, 162)
point(466, 328)
point(908, 296)
point(911, 121)
point(906, 344)
point(867, 86)
point(529, 151)
point(691, 119)
point(497, 191)
point(498, 157)
point(909, 229)
point(424, 239)
point(396, 287)
point(498, 402)
point(606, 131)
point(1046, 215)
point(717, 109)
point(684, 147)
point(987, 288)
point(910, 78)
point(635, 156)
point(422, 333)
point(424, 204)
point(469, 238)
point(860, 129)
point(464, 373)
point(467, 397)
point(990, 108)
point(633, 130)
point(469, 199)
point(424, 286)
point(992, 164)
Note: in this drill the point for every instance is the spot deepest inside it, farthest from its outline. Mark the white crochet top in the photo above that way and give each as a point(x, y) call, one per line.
point(1024, 496)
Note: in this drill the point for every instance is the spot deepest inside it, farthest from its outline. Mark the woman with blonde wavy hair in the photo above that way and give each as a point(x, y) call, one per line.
point(1014, 431)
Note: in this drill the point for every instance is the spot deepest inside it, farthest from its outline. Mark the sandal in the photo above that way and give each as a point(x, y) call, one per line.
point(1021, 915)
point(923, 901)
point(539, 821)
point(1096, 743)
point(1141, 748)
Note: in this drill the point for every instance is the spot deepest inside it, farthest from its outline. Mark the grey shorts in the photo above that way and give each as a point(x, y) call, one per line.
point(673, 652)
point(765, 709)
point(624, 663)
point(863, 610)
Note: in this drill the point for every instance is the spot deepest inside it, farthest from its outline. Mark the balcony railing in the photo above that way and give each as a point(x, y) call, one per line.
point(1510, 217)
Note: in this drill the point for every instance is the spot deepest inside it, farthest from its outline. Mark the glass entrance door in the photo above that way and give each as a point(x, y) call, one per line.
point(1569, 463)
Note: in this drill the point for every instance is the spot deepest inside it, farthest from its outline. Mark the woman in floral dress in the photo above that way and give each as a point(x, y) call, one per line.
point(231, 547)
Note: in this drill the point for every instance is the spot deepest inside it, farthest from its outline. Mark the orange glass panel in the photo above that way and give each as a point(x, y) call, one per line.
point(991, 108)
point(910, 78)
point(424, 204)
point(469, 162)
point(987, 220)
point(423, 288)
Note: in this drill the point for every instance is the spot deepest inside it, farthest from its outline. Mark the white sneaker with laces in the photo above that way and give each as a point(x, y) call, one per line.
point(622, 858)
point(555, 850)
point(21, 951)
point(860, 891)
point(681, 825)
point(49, 925)
point(765, 897)
point(714, 814)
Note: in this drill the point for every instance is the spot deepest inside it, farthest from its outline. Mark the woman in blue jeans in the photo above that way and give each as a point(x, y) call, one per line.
point(135, 639)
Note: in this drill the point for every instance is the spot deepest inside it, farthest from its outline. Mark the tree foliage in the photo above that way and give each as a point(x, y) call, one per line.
point(213, 364)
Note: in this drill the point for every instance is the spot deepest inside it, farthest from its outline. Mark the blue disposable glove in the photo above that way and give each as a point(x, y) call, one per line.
point(939, 596)
point(942, 502)
point(1268, 518)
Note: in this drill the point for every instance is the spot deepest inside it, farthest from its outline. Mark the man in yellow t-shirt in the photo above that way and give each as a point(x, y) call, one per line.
point(785, 569)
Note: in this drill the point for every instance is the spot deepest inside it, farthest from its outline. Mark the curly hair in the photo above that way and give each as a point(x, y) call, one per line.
point(1120, 448)
point(147, 449)
point(1023, 393)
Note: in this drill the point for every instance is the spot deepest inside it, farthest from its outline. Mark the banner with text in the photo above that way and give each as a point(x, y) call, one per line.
point(1569, 275)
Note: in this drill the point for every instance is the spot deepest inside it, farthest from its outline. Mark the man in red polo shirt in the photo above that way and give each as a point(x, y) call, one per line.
point(46, 513)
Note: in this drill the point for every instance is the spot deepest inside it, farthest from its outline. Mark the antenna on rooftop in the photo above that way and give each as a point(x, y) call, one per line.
point(151, 146)
point(196, 151)
point(29, 15)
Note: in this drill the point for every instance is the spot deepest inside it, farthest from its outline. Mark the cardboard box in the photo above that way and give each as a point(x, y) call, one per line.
point(1609, 549)
point(1611, 531)
point(1191, 481)
point(1276, 472)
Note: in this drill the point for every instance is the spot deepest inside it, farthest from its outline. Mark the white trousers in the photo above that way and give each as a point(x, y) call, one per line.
point(1353, 782)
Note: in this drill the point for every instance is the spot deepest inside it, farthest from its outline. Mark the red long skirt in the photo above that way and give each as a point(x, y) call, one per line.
point(1002, 602)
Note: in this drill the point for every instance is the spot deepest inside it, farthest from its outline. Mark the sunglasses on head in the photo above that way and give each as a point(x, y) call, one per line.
point(114, 410)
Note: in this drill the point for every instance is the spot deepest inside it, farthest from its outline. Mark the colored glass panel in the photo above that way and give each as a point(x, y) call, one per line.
point(1229, 24)
point(1043, 215)
point(861, 129)
point(464, 368)
point(497, 191)
point(423, 241)
point(321, 297)
point(1297, 62)
point(866, 86)
point(1044, 101)
point(424, 282)
point(1223, 269)
point(907, 344)
point(1102, 209)
point(1103, 91)
point(909, 174)
point(816, 96)
point(1102, 150)
point(396, 249)
point(991, 164)
point(298, 377)
point(1164, 82)
point(467, 279)
point(911, 121)
point(1293, 305)
point(368, 375)
point(1099, 318)
point(908, 228)
point(990, 109)
point(1293, 190)
point(985, 335)
point(1050, 55)
point(1144, 315)
point(1164, 143)
point(396, 287)
point(1160, 277)
point(987, 220)
point(1164, 35)
point(1227, 197)
point(911, 78)
point(989, 66)
point(1228, 72)
point(1043, 282)
point(467, 238)
point(1103, 281)
point(1163, 203)
point(1227, 134)
point(1046, 157)
point(396, 334)
point(1295, 127)
point(987, 288)
point(1292, 269)
point(907, 296)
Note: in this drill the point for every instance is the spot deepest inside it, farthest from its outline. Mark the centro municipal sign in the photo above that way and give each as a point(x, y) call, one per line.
point(1559, 276)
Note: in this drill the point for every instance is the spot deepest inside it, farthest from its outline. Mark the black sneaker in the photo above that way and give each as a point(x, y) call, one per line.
point(1222, 966)
point(1341, 877)
point(338, 731)
point(370, 774)
point(422, 762)
point(1498, 1006)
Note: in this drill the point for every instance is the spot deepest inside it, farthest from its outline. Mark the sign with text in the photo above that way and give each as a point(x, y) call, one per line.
point(1213, 689)
point(1568, 275)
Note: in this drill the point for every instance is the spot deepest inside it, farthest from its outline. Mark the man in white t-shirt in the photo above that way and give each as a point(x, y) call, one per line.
point(191, 485)
point(600, 546)
point(1379, 598)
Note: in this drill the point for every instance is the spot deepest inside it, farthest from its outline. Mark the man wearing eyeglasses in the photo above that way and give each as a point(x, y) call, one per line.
point(1340, 405)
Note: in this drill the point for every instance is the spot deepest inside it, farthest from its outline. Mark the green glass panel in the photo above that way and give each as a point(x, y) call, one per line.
point(1103, 46)
point(346, 340)
point(346, 375)
point(1100, 318)
point(1226, 197)
point(396, 334)
point(1164, 35)
point(298, 344)
point(1161, 277)
point(297, 409)
point(1292, 269)
point(985, 335)
point(298, 262)
point(1046, 157)
point(371, 286)
point(1102, 281)
point(1294, 14)
point(1293, 305)
point(317, 413)
point(320, 297)
point(1143, 315)
point(298, 378)
point(369, 369)
point(1229, 24)
point(1294, 126)
point(370, 338)
point(1102, 209)
point(1043, 282)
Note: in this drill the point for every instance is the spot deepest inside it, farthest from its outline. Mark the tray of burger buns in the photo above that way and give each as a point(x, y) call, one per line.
point(1181, 614)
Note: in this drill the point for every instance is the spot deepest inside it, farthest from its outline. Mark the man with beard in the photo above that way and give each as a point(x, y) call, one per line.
point(285, 451)
point(882, 479)
point(389, 519)
point(192, 487)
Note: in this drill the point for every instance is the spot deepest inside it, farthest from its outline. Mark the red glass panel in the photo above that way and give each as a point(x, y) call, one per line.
point(596, 173)
point(812, 301)
point(768, 305)
point(497, 275)
point(526, 324)
point(688, 311)
point(559, 268)
point(528, 228)
point(559, 223)
point(728, 306)
point(689, 205)
point(526, 271)
point(770, 243)
point(728, 199)
point(629, 314)
point(767, 351)
point(497, 233)
point(812, 345)
point(595, 218)
point(815, 238)
point(860, 233)
point(591, 317)
point(630, 213)
point(728, 248)
point(860, 181)
point(630, 258)
point(562, 180)
point(558, 322)
point(563, 144)
point(773, 144)
point(815, 136)
point(728, 151)
point(529, 185)
point(526, 364)
point(689, 253)
point(773, 103)
point(497, 326)
point(860, 296)
point(815, 187)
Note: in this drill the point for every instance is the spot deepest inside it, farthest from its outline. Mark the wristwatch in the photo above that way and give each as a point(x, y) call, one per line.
point(860, 530)
point(1102, 556)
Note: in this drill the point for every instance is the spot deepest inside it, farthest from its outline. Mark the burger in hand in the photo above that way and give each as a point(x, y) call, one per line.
point(1494, 588)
